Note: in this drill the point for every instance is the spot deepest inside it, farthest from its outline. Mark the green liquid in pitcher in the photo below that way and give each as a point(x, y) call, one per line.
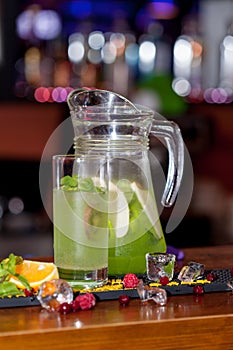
point(127, 253)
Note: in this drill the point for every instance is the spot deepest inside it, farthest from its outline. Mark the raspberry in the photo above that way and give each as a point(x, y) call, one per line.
point(86, 301)
point(164, 280)
point(198, 290)
point(29, 293)
point(65, 308)
point(75, 305)
point(211, 277)
point(130, 280)
point(124, 299)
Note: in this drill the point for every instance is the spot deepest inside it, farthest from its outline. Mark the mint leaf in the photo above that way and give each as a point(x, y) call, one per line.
point(11, 264)
point(7, 269)
point(18, 260)
point(23, 280)
point(86, 184)
point(69, 181)
point(75, 183)
point(9, 288)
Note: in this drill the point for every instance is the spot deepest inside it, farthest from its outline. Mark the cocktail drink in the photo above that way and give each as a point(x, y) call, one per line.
point(80, 224)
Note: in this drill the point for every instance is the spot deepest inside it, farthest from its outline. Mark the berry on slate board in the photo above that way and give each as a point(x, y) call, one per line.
point(164, 280)
point(75, 305)
point(130, 280)
point(86, 301)
point(29, 293)
point(211, 277)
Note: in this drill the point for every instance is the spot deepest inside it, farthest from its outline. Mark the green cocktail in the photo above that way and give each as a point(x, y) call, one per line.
point(80, 234)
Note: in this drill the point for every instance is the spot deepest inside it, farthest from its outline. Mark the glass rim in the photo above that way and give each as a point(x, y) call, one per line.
point(75, 156)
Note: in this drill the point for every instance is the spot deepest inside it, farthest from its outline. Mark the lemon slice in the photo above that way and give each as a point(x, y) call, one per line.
point(118, 211)
point(35, 272)
point(149, 206)
point(116, 205)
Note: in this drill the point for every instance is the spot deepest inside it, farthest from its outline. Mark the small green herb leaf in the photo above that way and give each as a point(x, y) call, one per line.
point(23, 280)
point(86, 184)
point(75, 183)
point(7, 269)
point(9, 289)
point(69, 181)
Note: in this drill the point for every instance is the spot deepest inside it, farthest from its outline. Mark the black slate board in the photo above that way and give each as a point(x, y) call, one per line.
point(223, 276)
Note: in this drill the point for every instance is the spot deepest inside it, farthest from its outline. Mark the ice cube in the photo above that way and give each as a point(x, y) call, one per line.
point(159, 296)
point(146, 293)
point(160, 265)
point(53, 293)
point(191, 272)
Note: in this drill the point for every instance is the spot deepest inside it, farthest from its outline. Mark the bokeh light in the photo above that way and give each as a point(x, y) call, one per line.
point(16, 205)
point(42, 94)
point(108, 53)
point(181, 86)
point(118, 40)
point(24, 24)
point(47, 24)
point(52, 94)
point(94, 56)
point(183, 53)
point(96, 40)
point(132, 54)
point(76, 51)
point(147, 53)
point(59, 94)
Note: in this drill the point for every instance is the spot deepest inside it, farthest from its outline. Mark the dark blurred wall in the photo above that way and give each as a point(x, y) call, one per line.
point(10, 46)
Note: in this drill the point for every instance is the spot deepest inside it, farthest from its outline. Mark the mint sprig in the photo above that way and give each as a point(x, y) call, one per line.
point(7, 269)
point(76, 183)
point(69, 183)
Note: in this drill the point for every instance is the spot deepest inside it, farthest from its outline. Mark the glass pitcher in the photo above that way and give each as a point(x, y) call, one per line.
point(108, 125)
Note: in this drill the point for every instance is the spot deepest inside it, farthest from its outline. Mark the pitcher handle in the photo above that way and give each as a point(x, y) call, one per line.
point(170, 131)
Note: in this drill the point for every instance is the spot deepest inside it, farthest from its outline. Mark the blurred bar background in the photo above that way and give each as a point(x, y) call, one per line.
point(175, 56)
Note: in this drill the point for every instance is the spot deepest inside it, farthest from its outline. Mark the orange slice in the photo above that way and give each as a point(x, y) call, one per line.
point(36, 272)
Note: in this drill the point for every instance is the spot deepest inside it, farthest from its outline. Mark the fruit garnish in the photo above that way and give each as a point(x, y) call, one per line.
point(130, 280)
point(164, 280)
point(124, 299)
point(8, 270)
point(65, 308)
point(76, 183)
point(34, 272)
point(75, 305)
point(69, 182)
point(86, 301)
point(211, 277)
point(198, 290)
point(29, 292)
point(118, 211)
point(149, 209)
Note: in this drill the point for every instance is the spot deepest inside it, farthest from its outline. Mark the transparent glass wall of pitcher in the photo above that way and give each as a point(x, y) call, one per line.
point(108, 125)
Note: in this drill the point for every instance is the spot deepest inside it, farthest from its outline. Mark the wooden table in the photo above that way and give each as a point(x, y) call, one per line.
point(186, 322)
